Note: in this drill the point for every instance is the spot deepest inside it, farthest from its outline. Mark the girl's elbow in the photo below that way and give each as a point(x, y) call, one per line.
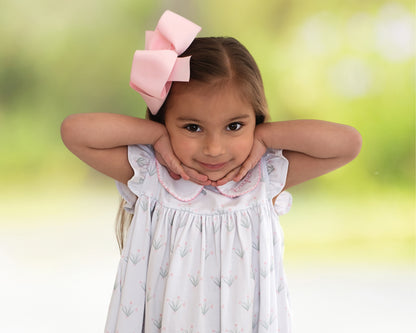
point(69, 130)
point(355, 142)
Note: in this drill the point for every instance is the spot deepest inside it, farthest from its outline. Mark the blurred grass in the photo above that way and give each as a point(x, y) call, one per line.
point(360, 229)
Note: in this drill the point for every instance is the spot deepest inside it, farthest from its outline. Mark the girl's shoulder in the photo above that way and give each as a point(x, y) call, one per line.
point(275, 166)
point(139, 154)
point(143, 162)
point(275, 169)
point(144, 180)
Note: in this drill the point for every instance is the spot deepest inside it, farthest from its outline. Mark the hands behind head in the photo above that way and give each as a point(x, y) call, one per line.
point(166, 157)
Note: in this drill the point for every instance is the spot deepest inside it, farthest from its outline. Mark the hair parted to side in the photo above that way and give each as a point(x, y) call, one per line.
point(214, 60)
point(218, 60)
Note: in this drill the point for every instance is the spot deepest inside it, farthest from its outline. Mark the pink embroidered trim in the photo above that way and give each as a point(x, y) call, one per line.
point(175, 195)
point(242, 183)
point(227, 191)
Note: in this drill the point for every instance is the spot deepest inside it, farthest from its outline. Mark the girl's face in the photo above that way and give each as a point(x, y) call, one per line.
point(211, 128)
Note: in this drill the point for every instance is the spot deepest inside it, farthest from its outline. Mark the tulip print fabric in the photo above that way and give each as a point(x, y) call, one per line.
point(202, 259)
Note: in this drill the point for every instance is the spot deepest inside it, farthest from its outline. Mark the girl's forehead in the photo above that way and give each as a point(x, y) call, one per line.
point(208, 104)
point(201, 91)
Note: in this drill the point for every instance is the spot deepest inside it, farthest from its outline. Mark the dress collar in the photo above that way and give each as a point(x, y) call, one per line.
point(185, 190)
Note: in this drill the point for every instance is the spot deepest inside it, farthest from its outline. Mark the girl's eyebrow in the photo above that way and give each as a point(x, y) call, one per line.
point(243, 116)
point(188, 119)
point(240, 117)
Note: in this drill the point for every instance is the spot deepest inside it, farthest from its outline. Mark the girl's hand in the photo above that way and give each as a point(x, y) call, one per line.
point(257, 151)
point(197, 177)
point(228, 177)
point(166, 157)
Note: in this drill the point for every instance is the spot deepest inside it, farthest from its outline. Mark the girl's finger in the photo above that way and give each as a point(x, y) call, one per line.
point(175, 166)
point(196, 176)
point(228, 177)
point(251, 161)
point(246, 167)
point(174, 170)
point(174, 175)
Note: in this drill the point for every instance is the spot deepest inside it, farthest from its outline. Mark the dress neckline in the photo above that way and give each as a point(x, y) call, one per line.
point(185, 190)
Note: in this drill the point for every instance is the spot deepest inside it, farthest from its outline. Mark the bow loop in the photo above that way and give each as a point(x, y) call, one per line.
point(179, 31)
point(154, 68)
point(154, 40)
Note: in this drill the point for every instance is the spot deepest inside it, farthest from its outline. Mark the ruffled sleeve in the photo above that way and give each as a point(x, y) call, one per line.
point(276, 170)
point(141, 159)
point(129, 197)
point(283, 203)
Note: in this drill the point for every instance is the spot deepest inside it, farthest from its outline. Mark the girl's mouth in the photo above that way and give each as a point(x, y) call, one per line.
point(209, 166)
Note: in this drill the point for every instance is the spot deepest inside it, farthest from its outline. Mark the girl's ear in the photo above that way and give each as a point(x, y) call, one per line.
point(260, 119)
point(159, 117)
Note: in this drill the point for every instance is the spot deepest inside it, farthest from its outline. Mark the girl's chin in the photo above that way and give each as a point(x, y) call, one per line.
point(215, 176)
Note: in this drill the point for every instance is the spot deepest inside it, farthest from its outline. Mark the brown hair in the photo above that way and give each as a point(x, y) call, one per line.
point(219, 60)
point(214, 61)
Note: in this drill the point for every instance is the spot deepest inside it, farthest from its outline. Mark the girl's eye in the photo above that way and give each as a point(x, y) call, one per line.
point(234, 126)
point(192, 128)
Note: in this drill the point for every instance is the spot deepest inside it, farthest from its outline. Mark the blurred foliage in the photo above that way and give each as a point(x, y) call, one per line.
point(343, 61)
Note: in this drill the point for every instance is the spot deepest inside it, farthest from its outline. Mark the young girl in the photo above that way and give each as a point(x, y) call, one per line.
point(203, 178)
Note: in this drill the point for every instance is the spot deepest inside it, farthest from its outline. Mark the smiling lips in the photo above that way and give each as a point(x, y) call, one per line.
point(212, 166)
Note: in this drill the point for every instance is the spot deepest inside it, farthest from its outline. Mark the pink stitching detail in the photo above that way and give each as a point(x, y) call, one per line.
point(169, 191)
point(246, 180)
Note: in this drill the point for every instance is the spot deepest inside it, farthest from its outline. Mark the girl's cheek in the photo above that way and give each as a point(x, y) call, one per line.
point(183, 148)
point(186, 144)
point(243, 146)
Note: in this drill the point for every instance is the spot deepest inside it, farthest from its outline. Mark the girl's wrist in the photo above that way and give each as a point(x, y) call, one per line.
point(260, 134)
point(159, 132)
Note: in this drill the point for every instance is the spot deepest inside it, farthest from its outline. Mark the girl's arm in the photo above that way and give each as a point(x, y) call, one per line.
point(312, 147)
point(101, 139)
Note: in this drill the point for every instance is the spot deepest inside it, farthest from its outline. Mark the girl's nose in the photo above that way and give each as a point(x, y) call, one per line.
point(213, 146)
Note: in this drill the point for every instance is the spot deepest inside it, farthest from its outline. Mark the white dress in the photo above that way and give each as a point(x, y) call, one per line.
point(202, 259)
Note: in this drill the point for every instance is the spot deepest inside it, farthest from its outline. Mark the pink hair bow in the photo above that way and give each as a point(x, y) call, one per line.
point(155, 68)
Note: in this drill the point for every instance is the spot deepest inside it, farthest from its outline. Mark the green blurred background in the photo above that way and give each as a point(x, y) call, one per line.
point(343, 61)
